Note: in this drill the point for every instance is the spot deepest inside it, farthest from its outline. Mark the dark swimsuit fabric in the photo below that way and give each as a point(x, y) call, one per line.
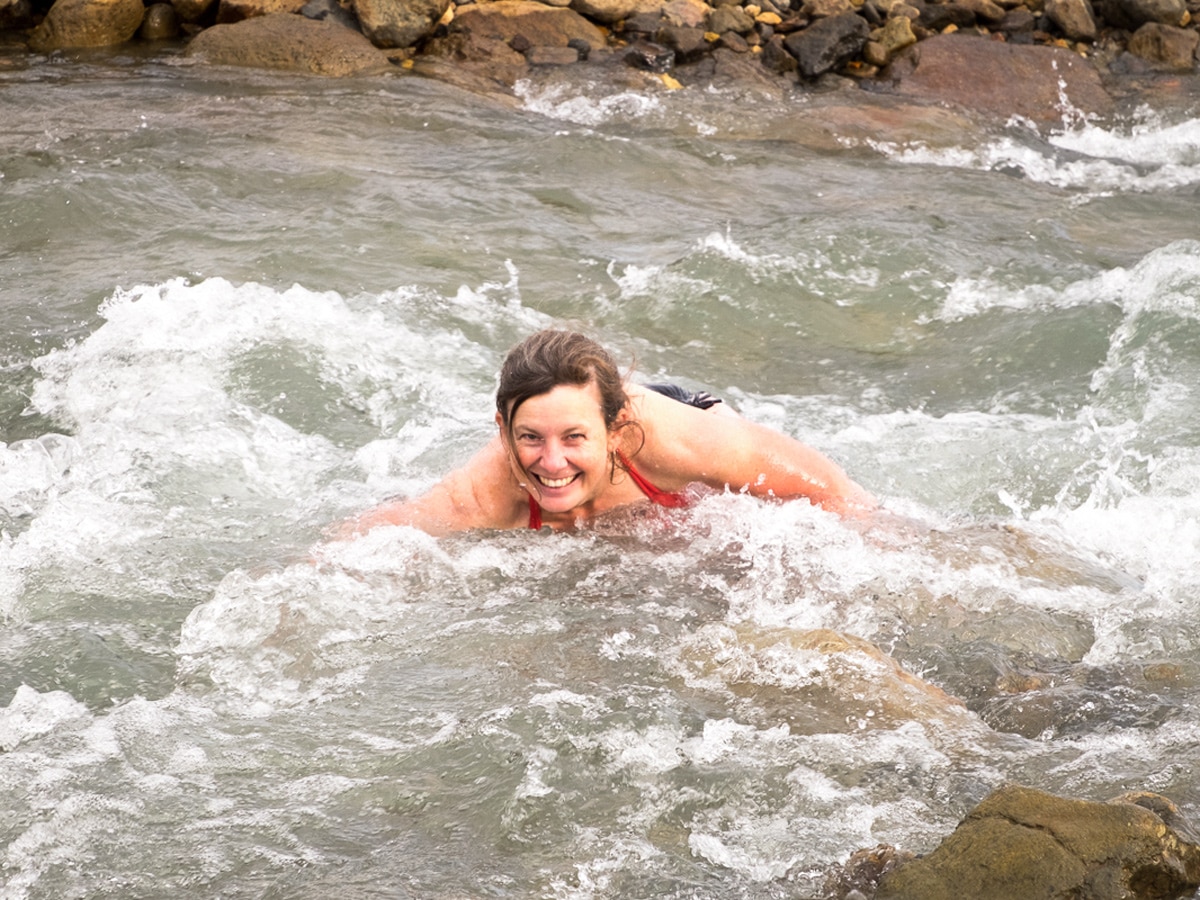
point(698, 399)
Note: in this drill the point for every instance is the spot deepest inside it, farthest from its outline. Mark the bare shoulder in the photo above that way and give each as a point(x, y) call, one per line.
point(684, 445)
point(483, 493)
point(677, 444)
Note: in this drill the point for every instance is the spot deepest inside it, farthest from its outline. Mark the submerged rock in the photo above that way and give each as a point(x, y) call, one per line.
point(1024, 843)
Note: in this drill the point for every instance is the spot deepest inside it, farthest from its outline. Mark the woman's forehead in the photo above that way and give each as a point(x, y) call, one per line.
point(564, 403)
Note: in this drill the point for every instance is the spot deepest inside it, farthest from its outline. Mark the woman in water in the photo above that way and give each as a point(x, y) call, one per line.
point(575, 441)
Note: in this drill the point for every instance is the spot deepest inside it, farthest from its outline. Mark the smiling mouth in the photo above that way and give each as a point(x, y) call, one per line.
point(556, 482)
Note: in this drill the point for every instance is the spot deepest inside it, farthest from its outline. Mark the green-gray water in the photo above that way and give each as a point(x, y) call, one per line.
point(238, 307)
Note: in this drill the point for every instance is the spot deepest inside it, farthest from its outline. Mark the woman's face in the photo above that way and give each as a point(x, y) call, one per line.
point(561, 442)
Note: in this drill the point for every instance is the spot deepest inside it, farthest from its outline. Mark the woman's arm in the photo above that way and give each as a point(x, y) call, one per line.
point(482, 494)
point(684, 444)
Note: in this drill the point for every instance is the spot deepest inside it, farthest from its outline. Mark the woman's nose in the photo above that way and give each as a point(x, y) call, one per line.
point(553, 457)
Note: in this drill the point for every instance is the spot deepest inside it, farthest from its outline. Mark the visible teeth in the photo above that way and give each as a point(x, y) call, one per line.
point(556, 482)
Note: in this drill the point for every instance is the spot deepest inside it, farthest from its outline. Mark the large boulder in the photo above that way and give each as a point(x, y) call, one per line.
point(283, 41)
point(87, 23)
point(998, 78)
point(399, 23)
point(1024, 843)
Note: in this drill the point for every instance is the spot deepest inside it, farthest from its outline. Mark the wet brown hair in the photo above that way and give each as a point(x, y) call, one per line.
point(553, 357)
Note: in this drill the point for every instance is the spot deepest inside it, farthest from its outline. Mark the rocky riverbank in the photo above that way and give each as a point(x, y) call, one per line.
point(1040, 59)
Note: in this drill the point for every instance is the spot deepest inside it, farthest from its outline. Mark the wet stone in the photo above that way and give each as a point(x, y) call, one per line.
point(688, 43)
point(642, 23)
point(552, 56)
point(650, 56)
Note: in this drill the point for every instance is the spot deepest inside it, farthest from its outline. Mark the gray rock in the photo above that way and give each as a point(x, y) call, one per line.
point(940, 16)
point(329, 10)
point(650, 56)
point(828, 43)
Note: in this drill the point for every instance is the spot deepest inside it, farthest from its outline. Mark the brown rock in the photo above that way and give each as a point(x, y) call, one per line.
point(236, 10)
point(688, 13)
point(819, 9)
point(730, 18)
point(998, 78)
point(398, 23)
point(986, 12)
point(1023, 843)
point(611, 11)
point(1074, 18)
point(552, 56)
point(895, 35)
point(688, 43)
point(16, 14)
point(1166, 47)
point(87, 23)
point(542, 26)
point(192, 10)
point(283, 41)
point(160, 23)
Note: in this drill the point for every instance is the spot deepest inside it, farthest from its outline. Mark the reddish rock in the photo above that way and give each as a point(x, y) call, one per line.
point(998, 78)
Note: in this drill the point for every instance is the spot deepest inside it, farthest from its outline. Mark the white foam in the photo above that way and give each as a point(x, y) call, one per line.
point(1145, 156)
point(566, 103)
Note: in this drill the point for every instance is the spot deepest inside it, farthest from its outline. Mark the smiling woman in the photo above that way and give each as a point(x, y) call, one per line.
point(569, 432)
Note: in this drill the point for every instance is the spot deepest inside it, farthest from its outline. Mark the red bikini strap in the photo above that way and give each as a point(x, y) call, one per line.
point(656, 494)
point(535, 514)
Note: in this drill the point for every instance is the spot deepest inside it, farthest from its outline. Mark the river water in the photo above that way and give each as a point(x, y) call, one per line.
point(237, 307)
